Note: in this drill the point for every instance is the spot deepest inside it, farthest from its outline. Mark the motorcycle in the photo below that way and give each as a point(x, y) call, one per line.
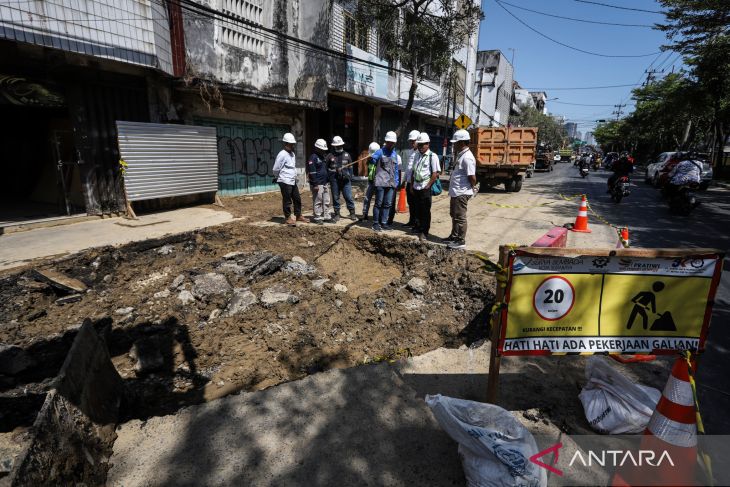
point(584, 171)
point(596, 165)
point(684, 200)
point(620, 189)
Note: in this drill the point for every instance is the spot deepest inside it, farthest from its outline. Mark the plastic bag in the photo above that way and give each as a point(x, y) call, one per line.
point(614, 404)
point(494, 447)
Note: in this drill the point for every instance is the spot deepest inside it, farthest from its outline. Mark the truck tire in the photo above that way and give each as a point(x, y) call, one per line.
point(518, 185)
point(510, 185)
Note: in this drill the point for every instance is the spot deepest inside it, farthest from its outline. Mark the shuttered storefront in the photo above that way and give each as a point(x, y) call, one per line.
point(246, 153)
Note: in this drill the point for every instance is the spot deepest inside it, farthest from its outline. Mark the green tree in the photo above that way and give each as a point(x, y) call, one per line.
point(699, 30)
point(550, 132)
point(420, 36)
point(611, 136)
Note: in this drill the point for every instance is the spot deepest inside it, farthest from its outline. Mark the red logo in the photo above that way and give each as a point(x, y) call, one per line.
point(553, 449)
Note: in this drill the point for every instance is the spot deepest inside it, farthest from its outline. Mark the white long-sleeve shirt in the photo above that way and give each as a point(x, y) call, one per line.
point(286, 167)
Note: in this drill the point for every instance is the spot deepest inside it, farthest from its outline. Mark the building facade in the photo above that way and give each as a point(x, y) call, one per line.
point(253, 69)
point(493, 90)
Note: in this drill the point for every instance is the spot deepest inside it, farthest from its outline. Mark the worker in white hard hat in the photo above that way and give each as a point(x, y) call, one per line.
point(425, 173)
point(462, 186)
point(285, 171)
point(372, 149)
point(386, 167)
point(319, 182)
point(412, 138)
point(339, 168)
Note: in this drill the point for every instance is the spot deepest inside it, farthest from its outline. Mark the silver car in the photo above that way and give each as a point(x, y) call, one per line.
point(653, 169)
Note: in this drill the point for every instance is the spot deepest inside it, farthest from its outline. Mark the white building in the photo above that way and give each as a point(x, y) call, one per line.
point(493, 88)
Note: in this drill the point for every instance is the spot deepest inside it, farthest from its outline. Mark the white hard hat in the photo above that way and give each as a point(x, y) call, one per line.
point(289, 139)
point(461, 135)
point(414, 135)
point(391, 137)
point(373, 148)
point(337, 140)
point(423, 138)
point(321, 144)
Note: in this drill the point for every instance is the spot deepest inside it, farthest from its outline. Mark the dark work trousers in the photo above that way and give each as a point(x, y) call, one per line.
point(393, 206)
point(422, 200)
point(290, 194)
point(458, 216)
point(412, 220)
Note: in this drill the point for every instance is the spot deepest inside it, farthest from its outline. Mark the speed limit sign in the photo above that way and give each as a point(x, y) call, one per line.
point(554, 298)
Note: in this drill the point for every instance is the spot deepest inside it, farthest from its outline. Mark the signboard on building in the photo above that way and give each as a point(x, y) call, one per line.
point(633, 302)
point(364, 78)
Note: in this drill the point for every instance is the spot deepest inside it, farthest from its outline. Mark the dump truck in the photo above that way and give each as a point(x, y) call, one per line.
point(566, 155)
point(504, 155)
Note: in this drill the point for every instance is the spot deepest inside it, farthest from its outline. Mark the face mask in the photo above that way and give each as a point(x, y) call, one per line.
point(338, 149)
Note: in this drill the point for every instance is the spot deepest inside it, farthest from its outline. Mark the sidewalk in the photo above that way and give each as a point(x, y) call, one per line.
point(19, 248)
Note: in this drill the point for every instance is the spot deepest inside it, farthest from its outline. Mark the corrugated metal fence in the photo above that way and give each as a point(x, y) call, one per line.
point(167, 160)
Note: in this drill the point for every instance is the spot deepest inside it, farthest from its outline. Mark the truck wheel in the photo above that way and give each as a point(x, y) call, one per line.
point(518, 185)
point(528, 174)
point(510, 185)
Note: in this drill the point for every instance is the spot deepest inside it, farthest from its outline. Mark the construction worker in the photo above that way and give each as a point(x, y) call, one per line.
point(412, 138)
point(319, 183)
point(461, 188)
point(372, 149)
point(398, 183)
point(386, 166)
point(426, 169)
point(340, 177)
point(285, 170)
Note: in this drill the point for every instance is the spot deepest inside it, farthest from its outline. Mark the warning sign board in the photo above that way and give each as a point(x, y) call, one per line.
point(462, 121)
point(607, 304)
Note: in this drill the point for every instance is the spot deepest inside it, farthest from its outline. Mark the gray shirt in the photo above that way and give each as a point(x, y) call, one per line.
point(286, 166)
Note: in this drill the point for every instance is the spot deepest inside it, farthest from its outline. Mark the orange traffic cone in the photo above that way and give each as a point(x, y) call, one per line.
point(623, 238)
point(402, 208)
point(672, 433)
point(581, 221)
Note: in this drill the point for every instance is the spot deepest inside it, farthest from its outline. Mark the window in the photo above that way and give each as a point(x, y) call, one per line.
point(356, 34)
point(241, 35)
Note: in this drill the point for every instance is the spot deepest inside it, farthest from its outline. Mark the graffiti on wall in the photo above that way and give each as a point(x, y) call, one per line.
point(247, 156)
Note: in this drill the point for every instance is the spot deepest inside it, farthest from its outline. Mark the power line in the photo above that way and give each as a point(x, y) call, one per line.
point(575, 19)
point(620, 8)
point(583, 87)
point(498, 2)
point(579, 104)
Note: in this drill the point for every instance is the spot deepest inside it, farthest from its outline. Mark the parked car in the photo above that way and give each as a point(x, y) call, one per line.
point(706, 175)
point(654, 170)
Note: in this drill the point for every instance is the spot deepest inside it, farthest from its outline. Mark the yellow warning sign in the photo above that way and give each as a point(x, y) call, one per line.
point(607, 304)
point(462, 121)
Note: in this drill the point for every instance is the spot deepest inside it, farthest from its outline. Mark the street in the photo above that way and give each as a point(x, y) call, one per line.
point(650, 224)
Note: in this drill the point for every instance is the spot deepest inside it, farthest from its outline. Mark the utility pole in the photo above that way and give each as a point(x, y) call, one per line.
point(619, 110)
point(651, 76)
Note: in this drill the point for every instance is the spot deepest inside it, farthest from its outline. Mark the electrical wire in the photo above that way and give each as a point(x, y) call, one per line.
point(568, 46)
point(620, 7)
point(580, 104)
point(582, 87)
point(575, 19)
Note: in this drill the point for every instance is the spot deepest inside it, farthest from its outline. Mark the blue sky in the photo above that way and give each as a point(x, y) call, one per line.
point(540, 63)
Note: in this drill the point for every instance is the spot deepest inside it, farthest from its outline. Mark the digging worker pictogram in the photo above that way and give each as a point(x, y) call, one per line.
point(646, 300)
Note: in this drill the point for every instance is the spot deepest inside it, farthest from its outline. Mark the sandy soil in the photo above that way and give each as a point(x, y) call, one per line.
point(177, 339)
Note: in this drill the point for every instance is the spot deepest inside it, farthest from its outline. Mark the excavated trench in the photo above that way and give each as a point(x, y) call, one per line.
point(193, 317)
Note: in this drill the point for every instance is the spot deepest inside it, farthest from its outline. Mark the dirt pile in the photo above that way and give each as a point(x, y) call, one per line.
point(197, 316)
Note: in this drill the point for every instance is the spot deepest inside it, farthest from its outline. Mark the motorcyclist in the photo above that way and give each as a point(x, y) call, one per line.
point(622, 167)
point(688, 171)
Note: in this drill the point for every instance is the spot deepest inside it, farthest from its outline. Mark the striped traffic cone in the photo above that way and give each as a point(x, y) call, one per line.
point(581, 221)
point(672, 433)
point(402, 208)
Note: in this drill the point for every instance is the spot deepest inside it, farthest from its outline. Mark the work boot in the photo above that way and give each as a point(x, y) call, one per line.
point(291, 221)
point(302, 219)
point(353, 216)
point(364, 218)
point(335, 217)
